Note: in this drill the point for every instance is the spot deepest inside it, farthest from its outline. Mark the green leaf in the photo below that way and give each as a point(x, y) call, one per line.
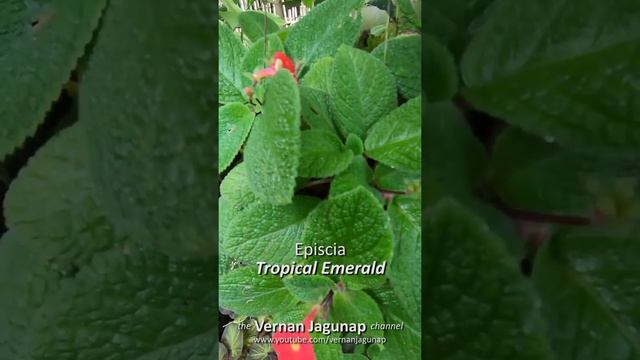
point(357, 174)
point(247, 293)
point(405, 343)
point(326, 350)
point(322, 154)
point(355, 220)
point(265, 232)
point(40, 42)
point(232, 338)
point(256, 25)
point(588, 284)
point(319, 74)
point(230, 52)
point(579, 80)
point(234, 124)
point(354, 143)
point(403, 55)
point(441, 70)
point(150, 125)
point(556, 175)
point(394, 180)
point(321, 32)
point(230, 13)
point(259, 351)
point(409, 12)
point(396, 139)
point(471, 278)
point(356, 306)
point(259, 58)
point(309, 288)
point(362, 90)
point(315, 109)
point(455, 161)
point(273, 148)
point(106, 300)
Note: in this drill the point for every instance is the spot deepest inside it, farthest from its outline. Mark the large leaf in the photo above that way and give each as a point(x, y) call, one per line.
point(403, 55)
point(580, 67)
point(150, 123)
point(40, 43)
point(396, 139)
point(471, 279)
point(321, 32)
point(355, 220)
point(234, 124)
point(230, 53)
point(362, 90)
point(256, 25)
point(273, 148)
point(247, 293)
point(322, 154)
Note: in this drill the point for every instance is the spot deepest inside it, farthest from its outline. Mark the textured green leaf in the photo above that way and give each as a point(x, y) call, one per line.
point(247, 293)
point(405, 343)
point(455, 161)
point(581, 70)
point(395, 180)
point(362, 90)
point(315, 109)
point(589, 286)
point(321, 32)
point(322, 154)
point(441, 72)
point(356, 306)
point(410, 12)
point(259, 58)
point(357, 174)
point(40, 43)
point(354, 143)
point(256, 24)
point(273, 148)
point(495, 303)
point(355, 220)
point(150, 122)
point(310, 288)
point(326, 351)
point(97, 309)
point(234, 123)
point(266, 232)
point(396, 139)
point(547, 180)
point(230, 53)
point(319, 74)
point(403, 55)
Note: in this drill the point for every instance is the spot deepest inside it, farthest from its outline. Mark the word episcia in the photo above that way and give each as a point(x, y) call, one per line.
point(322, 268)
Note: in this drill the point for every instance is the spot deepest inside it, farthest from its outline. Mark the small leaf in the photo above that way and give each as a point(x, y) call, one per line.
point(256, 25)
point(354, 143)
point(322, 154)
point(309, 288)
point(321, 32)
point(234, 123)
point(245, 292)
point(403, 54)
point(362, 91)
point(394, 180)
point(396, 139)
point(273, 148)
point(357, 174)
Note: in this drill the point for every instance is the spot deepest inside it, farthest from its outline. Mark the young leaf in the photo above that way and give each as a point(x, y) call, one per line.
point(579, 80)
point(247, 293)
point(322, 154)
point(395, 140)
point(319, 74)
point(273, 149)
point(355, 306)
point(256, 25)
point(588, 284)
point(441, 72)
point(497, 300)
point(230, 49)
point(354, 143)
point(355, 220)
point(234, 123)
point(357, 174)
point(310, 288)
point(362, 90)
point(267, 232)
point(401, 54)
point(395, 180)
point(149, 122)
point(315, 109)
point(321, 32)
point(40, 43)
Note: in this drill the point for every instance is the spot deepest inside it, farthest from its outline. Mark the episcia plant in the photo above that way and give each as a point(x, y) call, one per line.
point(532, 159)
point(320, 147)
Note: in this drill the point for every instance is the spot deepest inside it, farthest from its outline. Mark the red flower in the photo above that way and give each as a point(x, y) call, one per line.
point(293, 345)
point(279, 61)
